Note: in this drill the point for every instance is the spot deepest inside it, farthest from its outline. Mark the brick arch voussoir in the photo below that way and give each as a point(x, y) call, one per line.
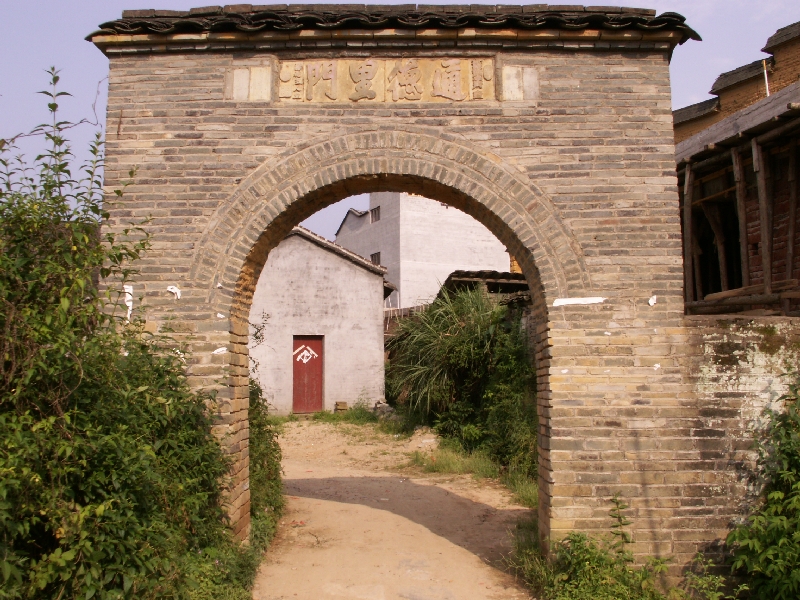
point(522, 216)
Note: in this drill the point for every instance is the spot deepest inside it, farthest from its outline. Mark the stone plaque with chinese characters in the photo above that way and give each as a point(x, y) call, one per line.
point(395, 80)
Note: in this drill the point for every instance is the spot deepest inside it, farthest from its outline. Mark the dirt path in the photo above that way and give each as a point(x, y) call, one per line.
point(359, 527)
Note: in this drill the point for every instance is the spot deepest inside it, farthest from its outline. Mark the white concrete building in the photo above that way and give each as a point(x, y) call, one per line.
point(420, 242)
point(322, 312)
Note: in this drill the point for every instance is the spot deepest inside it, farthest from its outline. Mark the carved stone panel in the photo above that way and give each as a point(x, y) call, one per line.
point(393, 80)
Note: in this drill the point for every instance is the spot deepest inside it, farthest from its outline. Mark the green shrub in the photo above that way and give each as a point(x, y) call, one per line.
point(462, 365)
point(703, 581)
point(266, 487)
point(767, 547)
point(584, 568)
point(110, 476)
point(226, 570)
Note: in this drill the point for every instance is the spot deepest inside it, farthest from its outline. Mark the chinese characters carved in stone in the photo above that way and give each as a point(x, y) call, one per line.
point(405, 80)
point(395, 80)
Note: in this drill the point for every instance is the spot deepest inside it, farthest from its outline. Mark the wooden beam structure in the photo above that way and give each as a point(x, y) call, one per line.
point(774, 134)
point(750, 290)
point(711, 210)
point(698, 279)
point(760, 166)
point(741, 212)
point(746, 300)
point(790, 230)
point(688, 250)
point(792, 209)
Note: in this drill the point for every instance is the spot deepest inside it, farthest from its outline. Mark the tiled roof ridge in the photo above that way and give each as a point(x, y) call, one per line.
point(355, 211)
point(740, 74)
point(337, 249)
point(694, 111)
point(783, 35)
point(250, 18)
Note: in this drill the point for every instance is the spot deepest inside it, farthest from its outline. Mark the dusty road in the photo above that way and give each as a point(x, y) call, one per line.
point(359, 527)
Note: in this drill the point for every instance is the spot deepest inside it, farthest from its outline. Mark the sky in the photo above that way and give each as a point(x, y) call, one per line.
point(38, 34)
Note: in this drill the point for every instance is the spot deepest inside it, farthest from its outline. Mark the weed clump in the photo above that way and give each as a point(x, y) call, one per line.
point(767, 547)
point(359, 414)
point(584, 568)
point(450, 458)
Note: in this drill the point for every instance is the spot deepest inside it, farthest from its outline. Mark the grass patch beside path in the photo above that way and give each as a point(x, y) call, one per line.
point(451, 459)
point(446, 460)
point(360, 414)
point(357, 415)
point(524, 488)
point(278, 421)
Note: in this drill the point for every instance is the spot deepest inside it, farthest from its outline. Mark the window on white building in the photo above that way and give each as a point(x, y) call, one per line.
point(375, 214)
point(375, 258)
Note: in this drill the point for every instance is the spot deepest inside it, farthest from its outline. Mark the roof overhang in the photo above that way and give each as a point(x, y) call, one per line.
point(695, 111)
point(328, 245)
point(244, 25)
point(765, 120)
point(350, 211)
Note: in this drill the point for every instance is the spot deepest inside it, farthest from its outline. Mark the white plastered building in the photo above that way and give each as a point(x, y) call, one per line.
point(420, 242)
point(320, 306)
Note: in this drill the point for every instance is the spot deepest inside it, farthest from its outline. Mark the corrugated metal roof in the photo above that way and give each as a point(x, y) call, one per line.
point(756, 119)
point(485, 276)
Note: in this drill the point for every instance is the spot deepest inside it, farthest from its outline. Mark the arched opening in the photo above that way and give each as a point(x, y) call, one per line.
point(291, 187)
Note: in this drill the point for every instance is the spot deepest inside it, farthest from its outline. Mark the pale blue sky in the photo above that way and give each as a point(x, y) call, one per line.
point(35, 34)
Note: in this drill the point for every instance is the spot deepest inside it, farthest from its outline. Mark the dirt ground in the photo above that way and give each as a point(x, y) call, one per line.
point(360, 526)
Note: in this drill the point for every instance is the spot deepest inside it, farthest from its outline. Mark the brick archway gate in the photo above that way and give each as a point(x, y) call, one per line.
point(291, 187)
point(551, 127)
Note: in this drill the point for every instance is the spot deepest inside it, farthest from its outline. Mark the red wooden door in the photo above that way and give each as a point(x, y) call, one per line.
point(307, 361)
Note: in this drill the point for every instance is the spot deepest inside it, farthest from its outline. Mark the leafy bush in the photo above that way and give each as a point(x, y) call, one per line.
point(226, 570)
point(462, 365)
point(266, 487)
point(584, 568)
point(703, 581)
point(767, 547)
point(110, 477)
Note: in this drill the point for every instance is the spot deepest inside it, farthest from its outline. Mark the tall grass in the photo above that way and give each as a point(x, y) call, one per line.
point(439, 351)
point(462, 365)
point(453, 459)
